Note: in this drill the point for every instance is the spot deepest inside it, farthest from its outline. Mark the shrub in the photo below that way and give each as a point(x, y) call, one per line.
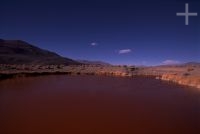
point(186, 74)
point(190, 69)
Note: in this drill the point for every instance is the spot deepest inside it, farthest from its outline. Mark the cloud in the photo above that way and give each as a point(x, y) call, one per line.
point(94, 44)
point(124, 51)
point(170, 62)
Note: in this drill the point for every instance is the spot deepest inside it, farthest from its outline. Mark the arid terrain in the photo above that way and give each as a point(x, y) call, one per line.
point(18, 58)
point(184, 75)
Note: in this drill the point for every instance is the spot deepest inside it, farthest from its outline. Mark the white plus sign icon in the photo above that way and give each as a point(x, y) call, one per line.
point(186, 14)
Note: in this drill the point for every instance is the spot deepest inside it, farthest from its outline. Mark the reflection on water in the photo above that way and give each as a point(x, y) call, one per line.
point(97, 105)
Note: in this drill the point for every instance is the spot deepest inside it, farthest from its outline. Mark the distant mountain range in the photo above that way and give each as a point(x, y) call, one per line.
point(187, 64)
point(192, 64)
point(20, 52)
point(94, 62)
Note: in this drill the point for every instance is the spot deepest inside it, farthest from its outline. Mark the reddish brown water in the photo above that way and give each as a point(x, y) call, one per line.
point(97, 105)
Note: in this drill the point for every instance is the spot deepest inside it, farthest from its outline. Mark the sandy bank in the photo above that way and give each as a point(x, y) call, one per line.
point(193, 81)
point(189, 76)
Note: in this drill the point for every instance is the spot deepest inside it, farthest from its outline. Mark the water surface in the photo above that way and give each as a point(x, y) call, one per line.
point(97, 105)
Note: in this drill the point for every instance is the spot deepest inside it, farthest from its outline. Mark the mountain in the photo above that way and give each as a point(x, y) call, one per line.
point(94, 62)
point(20, 52)
point(197, 64)
point(187, 64)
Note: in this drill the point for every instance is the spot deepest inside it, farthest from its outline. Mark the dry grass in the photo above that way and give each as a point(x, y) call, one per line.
point(183, 75)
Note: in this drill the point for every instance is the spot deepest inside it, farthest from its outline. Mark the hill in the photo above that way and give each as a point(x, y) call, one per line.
point(20, 52)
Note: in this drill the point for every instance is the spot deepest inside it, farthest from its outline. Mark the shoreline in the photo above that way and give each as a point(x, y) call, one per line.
point(166, 74)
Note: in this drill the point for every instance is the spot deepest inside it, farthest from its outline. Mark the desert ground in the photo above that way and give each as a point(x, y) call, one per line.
point(188, 75)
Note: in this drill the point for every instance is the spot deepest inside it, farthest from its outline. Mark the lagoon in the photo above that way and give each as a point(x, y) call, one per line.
point(56, 104)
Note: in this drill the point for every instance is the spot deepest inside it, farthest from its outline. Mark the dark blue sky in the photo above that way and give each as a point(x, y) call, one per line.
point(147, 32)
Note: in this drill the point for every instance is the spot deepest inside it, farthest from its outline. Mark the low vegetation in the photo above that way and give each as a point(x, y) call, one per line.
point(179, 74)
